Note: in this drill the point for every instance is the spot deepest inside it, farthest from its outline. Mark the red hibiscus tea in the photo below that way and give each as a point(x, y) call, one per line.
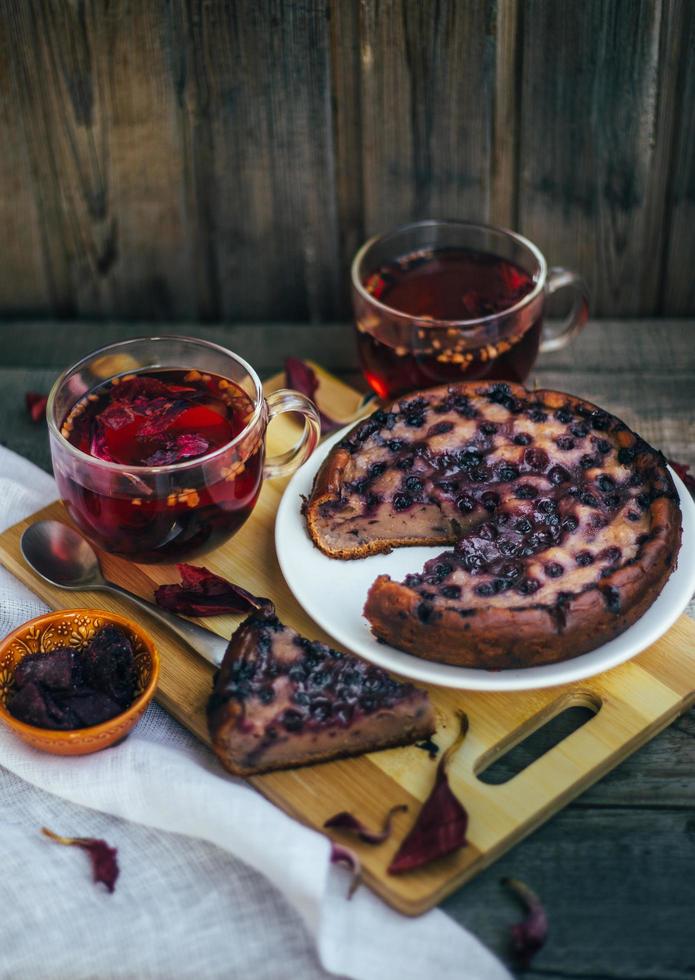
point(451, 285)
point(447, 301)
point(155, 419)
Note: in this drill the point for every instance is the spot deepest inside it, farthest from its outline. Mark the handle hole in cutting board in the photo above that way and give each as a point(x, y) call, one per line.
point(536, 738)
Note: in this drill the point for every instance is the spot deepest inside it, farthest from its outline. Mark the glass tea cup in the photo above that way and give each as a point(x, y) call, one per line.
point(446, 301)
point(167, 513)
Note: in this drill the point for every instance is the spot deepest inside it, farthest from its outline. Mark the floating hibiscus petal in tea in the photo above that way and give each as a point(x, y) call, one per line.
point(104, 861)
point(529, 935)
point(440, 826)
point(186, 446)
point(302, 377)
point(36, 405)
point(202, 593)
point(156, 419)
point(348, 822)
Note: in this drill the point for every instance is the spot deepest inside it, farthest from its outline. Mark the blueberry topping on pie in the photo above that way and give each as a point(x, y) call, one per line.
point(563, 524)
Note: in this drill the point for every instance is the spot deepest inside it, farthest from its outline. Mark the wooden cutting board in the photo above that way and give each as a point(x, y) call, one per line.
point(632, 703)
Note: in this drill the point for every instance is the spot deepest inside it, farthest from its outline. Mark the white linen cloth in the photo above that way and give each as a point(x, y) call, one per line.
point(215, 881)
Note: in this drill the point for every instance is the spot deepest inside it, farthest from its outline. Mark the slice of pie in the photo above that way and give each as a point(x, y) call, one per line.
point(281, 700)
point(565, 523)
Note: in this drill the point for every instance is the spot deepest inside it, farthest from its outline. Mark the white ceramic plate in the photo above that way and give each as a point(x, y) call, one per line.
point(333, 593)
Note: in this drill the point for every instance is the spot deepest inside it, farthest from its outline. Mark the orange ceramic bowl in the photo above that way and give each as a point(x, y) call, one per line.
point(75, 628)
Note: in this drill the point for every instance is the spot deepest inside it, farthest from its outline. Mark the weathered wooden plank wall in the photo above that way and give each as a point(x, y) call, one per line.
point(222, 159)
point(592, 170)
point(678, 281)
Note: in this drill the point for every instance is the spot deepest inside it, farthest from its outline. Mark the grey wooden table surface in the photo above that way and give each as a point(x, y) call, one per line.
point(616, 868)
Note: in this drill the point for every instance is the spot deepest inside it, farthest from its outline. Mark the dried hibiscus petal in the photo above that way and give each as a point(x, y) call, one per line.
point(56, 670)
point(108, 665)
point(104, 863)
point(140, 387)
point(154, 407)
point(35, 705)
point(347, 821)
point(98, 446)
point(184, 446)
point(343, 855)
point(441, 824)
point(202, 593)
point(36, 405)
point(302, 378)
point(91, 707)
point(160, 423)
point(683, 471)
point(116, 415)
point(66, 688)
point(529, 935)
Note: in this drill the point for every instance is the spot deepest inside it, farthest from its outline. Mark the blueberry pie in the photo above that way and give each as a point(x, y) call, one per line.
point(281, 700)
point(563, 524)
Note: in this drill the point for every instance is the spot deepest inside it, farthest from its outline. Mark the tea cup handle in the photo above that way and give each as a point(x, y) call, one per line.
point(568, 328)
point(286, 400)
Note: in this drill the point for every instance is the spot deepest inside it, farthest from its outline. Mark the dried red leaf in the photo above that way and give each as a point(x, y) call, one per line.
point(202, 593)
point(37, 706)
point(343, 855)
point(140, 387)
point(347, 821)
point(529, 935)
point(302, 378)
point(154, 407)
point(159, 423)
point(441, 824)
point(98, 446)
point(683, 471)
point(63, 690)
point(104, 863)
point(36, 405)
point(116, 415)
point(184, 446)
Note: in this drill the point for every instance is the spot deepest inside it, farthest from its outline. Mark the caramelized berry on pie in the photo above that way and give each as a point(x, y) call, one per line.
point(565, 525)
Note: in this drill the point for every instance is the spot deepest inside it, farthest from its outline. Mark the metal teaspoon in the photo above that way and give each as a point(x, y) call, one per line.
point(64, 558)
